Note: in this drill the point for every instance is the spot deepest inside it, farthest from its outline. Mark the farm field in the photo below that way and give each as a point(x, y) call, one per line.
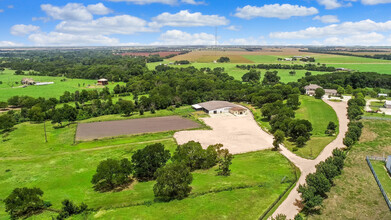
point(382, 174)
point(97, 130)
point(356, 194)
point(319, 114)
point(48, 91)
point(61, 164)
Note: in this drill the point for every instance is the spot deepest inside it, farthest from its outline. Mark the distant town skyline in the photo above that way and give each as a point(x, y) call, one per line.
point(193, 22)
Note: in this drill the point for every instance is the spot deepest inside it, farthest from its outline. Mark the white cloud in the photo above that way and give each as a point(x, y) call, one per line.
point(21, 29)
point(99, 9)
point(283, 11)
point(375, 2)
point(330, 4)
point(10, 6)
point(245, 41)
point(63, 39)
point(167, 2)
point(75, 11)
point(186, 19)
point(1, 10)
point(359, 39)
point(177, 37)
point(233, 28)
point(327, 18)
point(193, 2)
point(346, 28)
point(122, 24)
point(9, 44)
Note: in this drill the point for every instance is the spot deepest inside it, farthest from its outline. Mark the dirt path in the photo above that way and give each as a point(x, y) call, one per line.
point(306, 166)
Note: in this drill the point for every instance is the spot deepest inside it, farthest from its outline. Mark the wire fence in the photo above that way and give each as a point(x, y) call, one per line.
point(265, 214)
point(377, 179)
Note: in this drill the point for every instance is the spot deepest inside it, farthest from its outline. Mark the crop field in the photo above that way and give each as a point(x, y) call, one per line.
point(63, 169)
point(319, 114)
point(355, 194)
point(9, 87)
point(97, 130)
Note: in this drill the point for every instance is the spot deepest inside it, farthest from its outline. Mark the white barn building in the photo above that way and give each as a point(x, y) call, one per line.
point(220, 107)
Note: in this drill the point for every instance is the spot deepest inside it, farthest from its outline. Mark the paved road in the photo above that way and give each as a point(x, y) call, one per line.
point(306, 166)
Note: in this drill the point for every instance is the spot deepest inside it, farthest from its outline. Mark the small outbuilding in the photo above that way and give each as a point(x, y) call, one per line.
point(387, 104)
point(388, 164)
point(27, 81)
point(103, 82)
point(238, 111)
point(382, 95)
point(332, 92)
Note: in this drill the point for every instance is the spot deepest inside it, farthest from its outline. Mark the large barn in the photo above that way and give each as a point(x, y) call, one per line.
point(219, 107)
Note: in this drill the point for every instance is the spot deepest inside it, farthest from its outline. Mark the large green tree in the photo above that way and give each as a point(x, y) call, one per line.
point(112, 173)
point(173, 182)
point(23, 202)
point(146, 161)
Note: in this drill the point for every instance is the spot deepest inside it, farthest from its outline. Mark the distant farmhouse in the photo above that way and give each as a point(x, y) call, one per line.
point(219, 107)
point(343, 69)
point(310, 90)
point(27, 81)
point(382, 95)
point(295, 58)
point(103, 82)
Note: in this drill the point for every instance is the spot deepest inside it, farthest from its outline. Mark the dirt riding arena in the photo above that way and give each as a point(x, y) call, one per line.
point(239, 134)
point(96, 130)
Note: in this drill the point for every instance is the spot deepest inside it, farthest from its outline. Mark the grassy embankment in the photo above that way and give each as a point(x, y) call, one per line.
point(63, 170)
point(356, 194)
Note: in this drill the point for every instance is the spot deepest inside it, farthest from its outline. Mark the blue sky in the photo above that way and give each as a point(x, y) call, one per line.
point(193, 22)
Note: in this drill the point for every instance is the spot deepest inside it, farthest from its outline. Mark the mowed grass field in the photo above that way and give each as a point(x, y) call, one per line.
point(319, 114)
point(356, 194)
point(63, 170)
point(48, 91)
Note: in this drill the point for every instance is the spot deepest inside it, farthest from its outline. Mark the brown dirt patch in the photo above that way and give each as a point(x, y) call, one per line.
point(146, 54)
point(367, 135)
point(97, 130)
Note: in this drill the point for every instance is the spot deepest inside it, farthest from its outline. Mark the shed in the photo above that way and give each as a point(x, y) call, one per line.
point(27, 81)
point(103, 82)
point(387, 104)
point(238, 111)
point(388, 164)
point(382, 94)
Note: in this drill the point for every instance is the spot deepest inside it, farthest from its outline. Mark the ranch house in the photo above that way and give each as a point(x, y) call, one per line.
point(310, 89)
point(103, 82)
point(27, 81)
point(220, 107)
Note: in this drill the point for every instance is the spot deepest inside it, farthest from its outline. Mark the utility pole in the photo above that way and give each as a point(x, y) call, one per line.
point(44, 128)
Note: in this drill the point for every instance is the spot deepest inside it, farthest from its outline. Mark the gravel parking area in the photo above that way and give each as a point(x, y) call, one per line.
point(96, 130)
point(237, 133)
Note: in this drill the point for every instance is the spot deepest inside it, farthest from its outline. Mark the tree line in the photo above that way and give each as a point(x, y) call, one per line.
point(309, 67)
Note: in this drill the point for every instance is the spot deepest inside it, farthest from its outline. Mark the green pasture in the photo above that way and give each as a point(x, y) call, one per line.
point(319, 114)
point(9, 88)
point(355, 194)
point(63, 170)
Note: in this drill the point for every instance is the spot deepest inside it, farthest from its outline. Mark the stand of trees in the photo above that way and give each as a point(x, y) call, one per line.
point(223, 60)
point(346, 53)
point(309, 67)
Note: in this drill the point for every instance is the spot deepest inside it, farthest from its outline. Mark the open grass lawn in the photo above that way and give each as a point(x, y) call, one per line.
point(356, 194)
point(319, 114)
point(63, 170)
point(379, 116)
point(382, 174)
point(48, 91)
